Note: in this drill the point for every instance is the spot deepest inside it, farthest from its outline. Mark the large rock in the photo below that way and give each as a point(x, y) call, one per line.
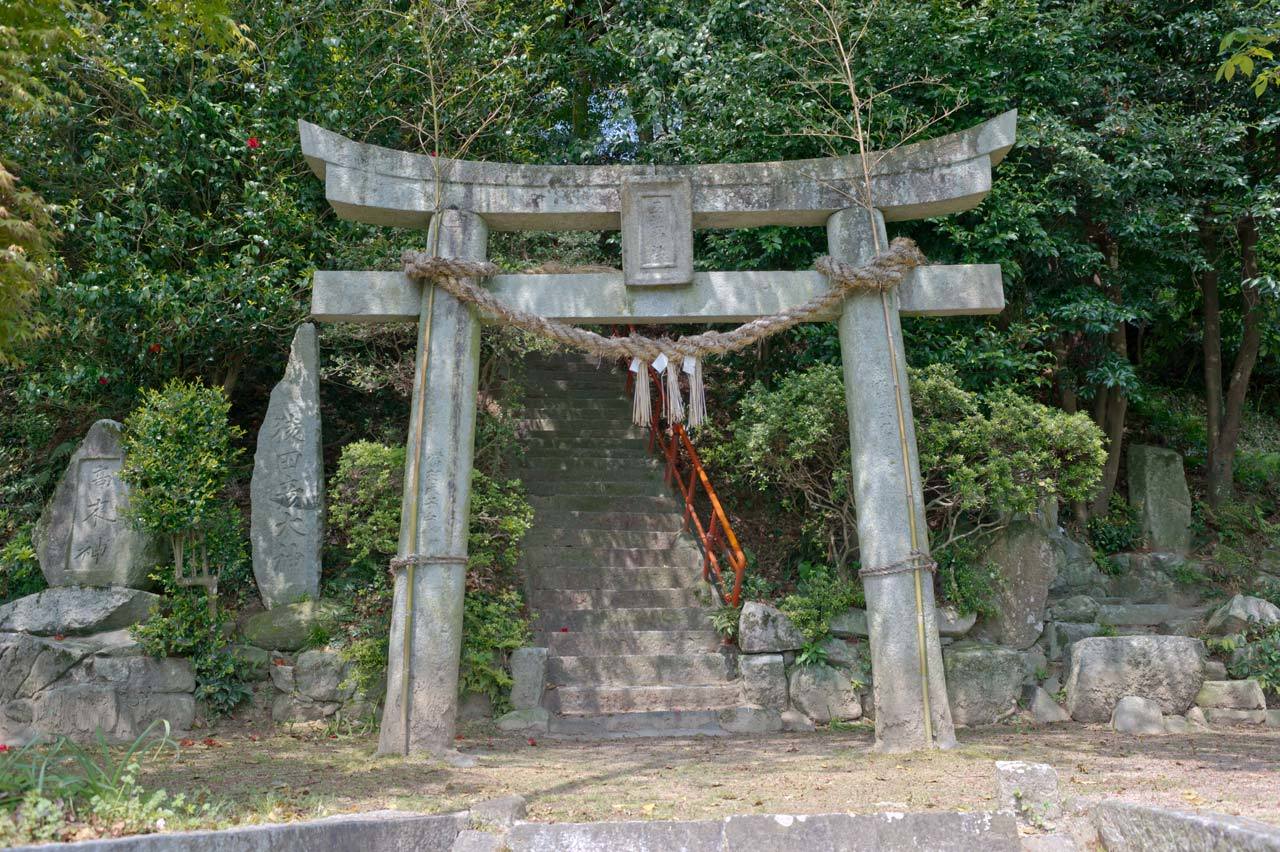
point(84, 537)
point(823, 694)
point(1158, 490)
point(76, 610)
point(764, 680)
point(1027, 559)
point(1231, 695)
point(285, 628)
point(983, 681)
point(1236, 614)
point(763, 629)
point(321, 676)
point(287, 489)
point(1168, 670)
point(1136, 715)
point(1045, 710)
point(1077, 571)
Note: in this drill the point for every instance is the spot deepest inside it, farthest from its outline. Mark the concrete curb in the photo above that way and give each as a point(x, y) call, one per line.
point(393, 831)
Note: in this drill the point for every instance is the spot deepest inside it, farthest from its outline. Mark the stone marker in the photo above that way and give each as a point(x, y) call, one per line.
point(528, 676)
point(75, 610)
point(287, 489)
point(1026, 558)
point(1168, 670)
point(83, 536)
point(1158, 490)
point(1029, 790)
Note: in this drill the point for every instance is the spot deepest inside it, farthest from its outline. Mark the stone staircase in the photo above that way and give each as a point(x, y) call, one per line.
point(613, 582)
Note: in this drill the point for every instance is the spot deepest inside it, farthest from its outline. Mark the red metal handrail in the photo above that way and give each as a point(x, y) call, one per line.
point(684, 468)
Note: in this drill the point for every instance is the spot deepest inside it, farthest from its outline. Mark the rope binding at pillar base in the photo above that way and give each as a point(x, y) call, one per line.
point(917, 561)
point(420, 559)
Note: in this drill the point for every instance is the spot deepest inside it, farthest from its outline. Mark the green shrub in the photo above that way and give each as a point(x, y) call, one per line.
point(20, 573)
point(1118, 530)
point(364, 513)
point(500, 516)
point(1259, 658)
point(965, 581)
point(179, 456)
point(182, 625)
point(725, 621)
point(492, 627)
point(820, 596)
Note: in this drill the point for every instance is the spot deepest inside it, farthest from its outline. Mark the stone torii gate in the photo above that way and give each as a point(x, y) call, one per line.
point(657, 208)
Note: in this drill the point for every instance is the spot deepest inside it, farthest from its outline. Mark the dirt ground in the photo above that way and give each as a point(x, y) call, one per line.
point(282, 776)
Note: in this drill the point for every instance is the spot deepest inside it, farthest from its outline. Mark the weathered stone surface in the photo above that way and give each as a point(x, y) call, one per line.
point(83, 536)
point(657, 231)
point(1236, 614)
point(532, 719)
point(1231, 695)
point(793, 721)
point(282, 678)
point(1158, 490)
point(1215, 670)
point(1077, 608)
point(1273, 719)
point(109, 643)
point(1176, 725)
point(850, 624)
point(473, 706)
point(983, 681)
point(764, 680)
point(650, 836)
point(1027, 560)
point(764, 629)
point(287, 488)
point(1035, 665)
point(256, 661)
point(952, 624)
point(1077, 572)
point(472, 840)
point(1166, 669)
point(29, 664)
point(1135, 715)
point(321, 676)
point(1028, 790)
point(1064, 634)
point(1128, 827)
point(144, 674)
point(287, 627)
point(74, 610)
point(296, 708)
point(1227, 716)
point(502, 812)
point(1195, 718)
point(882, 832)
point(843, 654)
point(823, 693)
point(529, 677)
point(1046, 710)
point(750, 720)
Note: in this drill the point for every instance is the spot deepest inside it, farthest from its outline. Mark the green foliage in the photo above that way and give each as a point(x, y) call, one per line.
point(368, 658)
point(179, 453)
point(500, 516)
point(1118, 530)
point(814, 653)
point(820, 596)
point(493, 625)
point(364, 513)
point(1259, 657)
point(725, 621)
point(59, 791)
point(183, 626)
point(1251, 52)
point(965, 581)
point(20, 573)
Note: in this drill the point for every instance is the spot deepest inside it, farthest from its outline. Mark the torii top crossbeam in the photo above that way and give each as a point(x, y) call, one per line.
point(381, 186)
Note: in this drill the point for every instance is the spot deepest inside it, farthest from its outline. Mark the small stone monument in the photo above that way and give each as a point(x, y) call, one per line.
point(287, 489)
point(84, 536)
point(1158, 490)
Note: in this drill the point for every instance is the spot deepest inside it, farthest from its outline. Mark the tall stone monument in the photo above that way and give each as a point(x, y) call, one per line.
point(84, 536)
point(287, 489)
point(657, 208)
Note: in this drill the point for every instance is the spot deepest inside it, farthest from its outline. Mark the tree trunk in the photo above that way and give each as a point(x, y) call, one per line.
point(1112, 405)
point(1212, 346)
point(1221, 469)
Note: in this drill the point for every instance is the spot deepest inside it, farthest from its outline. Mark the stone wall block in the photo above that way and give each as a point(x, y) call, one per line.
point(983, 681)
point(1158, 490)
point(764, 629)
point(823, 694)
point(1168, 670)
point(528, 676)
point(764, 680)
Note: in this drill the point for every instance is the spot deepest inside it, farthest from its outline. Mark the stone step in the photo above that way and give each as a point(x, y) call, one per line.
point(573, 476)
point(603, 503)
point(631, 432)
point(617, 427)
point(560, 441)
point(589, 700)
point(646, 486)
point(622, 620)
point(655, 723)
point(572, 403)
point(669, 521)
point(558, 577)
point(601, 538)
point(540, 456)
point(643, 670)
point(596, 599)
point(591, 464)
point(632, 642)
point(571, 392)
point(539, 555)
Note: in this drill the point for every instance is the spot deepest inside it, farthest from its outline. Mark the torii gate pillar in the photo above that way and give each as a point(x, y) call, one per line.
point(422, 673)
point(906, 656)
